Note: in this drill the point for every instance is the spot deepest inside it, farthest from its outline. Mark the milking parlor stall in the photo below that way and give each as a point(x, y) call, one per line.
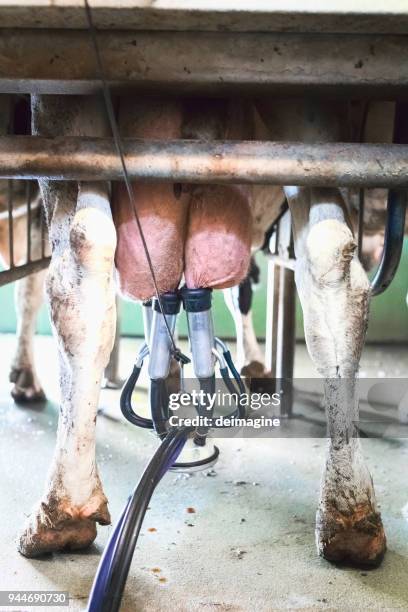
point(204, 323)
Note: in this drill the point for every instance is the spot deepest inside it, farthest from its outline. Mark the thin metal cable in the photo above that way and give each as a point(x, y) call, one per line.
point(119, 147)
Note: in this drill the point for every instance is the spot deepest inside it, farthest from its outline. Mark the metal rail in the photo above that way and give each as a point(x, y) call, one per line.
point(279, 163)
point(393, 243)
point(221, 16)
point(60, 61)
point(17, 272)
point(23, 262)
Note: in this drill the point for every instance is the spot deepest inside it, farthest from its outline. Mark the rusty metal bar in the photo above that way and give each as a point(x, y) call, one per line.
point(192, 15)
point(279, 163)
point(17, 272)
point(61, 62)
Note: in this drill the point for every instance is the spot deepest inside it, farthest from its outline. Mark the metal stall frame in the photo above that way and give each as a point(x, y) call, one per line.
point(32, 263)
point(344, 49)
point(318, 164)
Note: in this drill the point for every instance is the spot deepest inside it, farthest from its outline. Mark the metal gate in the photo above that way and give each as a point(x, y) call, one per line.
point(23, 232)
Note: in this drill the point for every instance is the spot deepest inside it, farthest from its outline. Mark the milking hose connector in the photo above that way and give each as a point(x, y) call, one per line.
point(160, 358)
point(203, 344)
point(127, 391)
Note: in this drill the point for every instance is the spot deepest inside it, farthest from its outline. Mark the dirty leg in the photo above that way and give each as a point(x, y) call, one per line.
point(250, 359)
point(29, 296)
point(28, 300)
point(334, 292)
point(82, 307)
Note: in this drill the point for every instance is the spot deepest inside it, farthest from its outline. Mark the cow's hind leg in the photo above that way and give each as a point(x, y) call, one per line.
point(82, 305)
point(29, 297)
point(250, 359)
point(334, 292)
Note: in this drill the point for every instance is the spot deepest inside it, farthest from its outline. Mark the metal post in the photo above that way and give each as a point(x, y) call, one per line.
point(272, 317)
point(285, 350)
point(281, 319)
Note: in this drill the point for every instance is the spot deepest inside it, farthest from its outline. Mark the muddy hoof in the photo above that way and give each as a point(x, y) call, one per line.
point(60, 527)
point(255, 369)
point(26, 388)
point(357, 539)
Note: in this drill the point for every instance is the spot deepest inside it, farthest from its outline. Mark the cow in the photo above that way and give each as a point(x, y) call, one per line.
point(377, 127)
point(204, 233)
point(239, 299)
point(29, 292)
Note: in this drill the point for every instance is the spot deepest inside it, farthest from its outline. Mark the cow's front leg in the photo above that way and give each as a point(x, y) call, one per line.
point(82, 305)
point(82, 308)
point(334, 292)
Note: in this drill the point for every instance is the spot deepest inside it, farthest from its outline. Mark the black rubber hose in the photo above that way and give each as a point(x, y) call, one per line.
point(159, 406)
point(393, 240)
point(102, 577)
point(126, 402)
point(208, 386)
point(240, 412)
point(234, 371)
point(161, 461)
point(396, 210)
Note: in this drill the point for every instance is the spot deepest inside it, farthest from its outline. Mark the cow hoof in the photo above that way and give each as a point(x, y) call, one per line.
point(255, 369)
point(57, 526)
point(356, 539)
point(26, 388)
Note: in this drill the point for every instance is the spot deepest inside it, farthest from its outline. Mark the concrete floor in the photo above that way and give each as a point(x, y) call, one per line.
point(249, 546)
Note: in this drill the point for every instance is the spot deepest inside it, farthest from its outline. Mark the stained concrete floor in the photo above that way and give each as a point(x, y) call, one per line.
point(249, 546)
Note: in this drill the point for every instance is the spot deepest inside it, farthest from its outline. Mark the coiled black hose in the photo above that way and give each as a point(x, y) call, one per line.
point(126, 401)
point(110, 580)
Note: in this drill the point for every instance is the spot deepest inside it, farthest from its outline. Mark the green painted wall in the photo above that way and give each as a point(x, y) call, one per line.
point(388, 318)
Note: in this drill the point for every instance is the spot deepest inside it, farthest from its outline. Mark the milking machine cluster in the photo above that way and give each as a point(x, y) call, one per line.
point(182, 447)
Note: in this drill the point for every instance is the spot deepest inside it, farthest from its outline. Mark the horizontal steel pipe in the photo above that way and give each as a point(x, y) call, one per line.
point(279, 163)
point(17, 272)
point(63, 61)
point(195, 15)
